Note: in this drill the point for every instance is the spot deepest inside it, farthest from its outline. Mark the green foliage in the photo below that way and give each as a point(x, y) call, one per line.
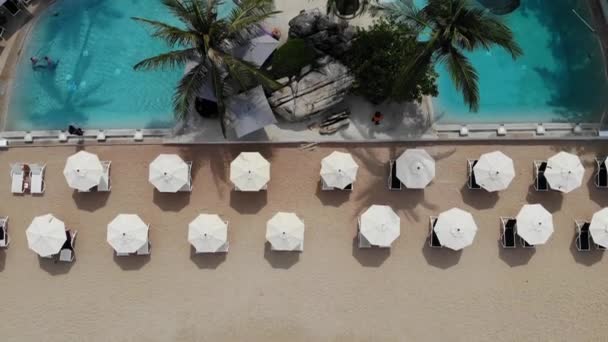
point(291, 57)
point(377, 58)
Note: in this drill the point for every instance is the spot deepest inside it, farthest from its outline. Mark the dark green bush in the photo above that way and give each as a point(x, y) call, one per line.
point(291, 57)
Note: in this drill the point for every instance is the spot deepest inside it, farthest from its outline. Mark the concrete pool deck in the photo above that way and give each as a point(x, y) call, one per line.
point(332, 291)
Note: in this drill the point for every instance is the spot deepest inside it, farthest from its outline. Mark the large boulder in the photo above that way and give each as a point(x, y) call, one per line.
point(327, 35)
point(313, 93)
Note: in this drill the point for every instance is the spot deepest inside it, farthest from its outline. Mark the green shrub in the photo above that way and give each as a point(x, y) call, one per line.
point(377, 58)
point(291, 57)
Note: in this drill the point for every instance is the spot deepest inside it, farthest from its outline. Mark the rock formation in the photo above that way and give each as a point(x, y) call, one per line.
point(314, 92)
point(328, 36)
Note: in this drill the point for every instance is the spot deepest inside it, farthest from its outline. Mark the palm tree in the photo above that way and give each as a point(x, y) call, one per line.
point(208, 41)
point(455, 26)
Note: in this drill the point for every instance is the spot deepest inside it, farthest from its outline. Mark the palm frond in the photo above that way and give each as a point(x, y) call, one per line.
point(244, 72)
point(464, 77)
point(172, 35)
point(245, 19)
point(179, 9)
point(404, 11)
point(188, 88)
point(169, 60)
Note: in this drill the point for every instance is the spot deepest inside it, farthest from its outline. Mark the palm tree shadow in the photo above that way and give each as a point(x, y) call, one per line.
point(207, 260)
point(131, 263)
point(279, 259)
point(369, 257)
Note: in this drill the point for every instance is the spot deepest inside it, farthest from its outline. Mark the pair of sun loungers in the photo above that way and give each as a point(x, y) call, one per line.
point(508, 236)
point(362, 241)
point(326, 187)
point(105, 184)
point(27, 178)
point(66, 254)
point(584, 240)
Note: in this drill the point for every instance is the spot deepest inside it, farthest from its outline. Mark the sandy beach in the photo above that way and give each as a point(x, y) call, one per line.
point(330, 292)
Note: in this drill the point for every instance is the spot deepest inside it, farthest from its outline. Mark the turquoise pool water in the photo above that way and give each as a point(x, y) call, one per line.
point(94, 85)
point(561, 76)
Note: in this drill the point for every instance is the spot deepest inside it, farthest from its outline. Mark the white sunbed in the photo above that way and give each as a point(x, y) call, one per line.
point(105, 184)
point(4, 242)
point(66, 254)
point(37, 178)
point(17, 175)
point(188, 187)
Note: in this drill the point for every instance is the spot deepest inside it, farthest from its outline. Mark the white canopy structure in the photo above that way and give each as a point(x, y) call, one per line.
point(338, 170)
point(83, 171)
point(415, 168)
point(455, 229)
point(250, 111)
point(285, 232)
point(380, 225)
point(46, 235)
point(494, 171)
point(599, 227)
point(250, 172)
point(564, 172)
point(257, 50)
point(534, 224)
point(208, 233)
point(169, 173)
point(127, 233)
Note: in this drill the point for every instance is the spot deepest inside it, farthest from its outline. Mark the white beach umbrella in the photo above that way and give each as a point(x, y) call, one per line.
point(207, 233)
point(455, 228)
point(285, 231)
point(127, 233)
point(534, 224)
point(250, 171)
point(599, 227)
point(339, 169)
point(46, 235)
point(564, 172)
point(494, 171)
point(415, 168)
point(380, 225)
point(169, 173)
point(83, 171)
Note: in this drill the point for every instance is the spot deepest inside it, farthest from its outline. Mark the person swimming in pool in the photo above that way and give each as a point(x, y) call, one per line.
point(34, 61)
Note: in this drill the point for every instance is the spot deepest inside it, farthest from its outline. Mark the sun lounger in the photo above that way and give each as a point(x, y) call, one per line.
point(583, 236)
point(17, 178)
point(105, 183)
point(601, 176)
point(472, 182)
point(37, 178)
point(66, 254)
point(12, 7)
point(188, 187)
point(507, 237)
point(363, 243)
point(326, 187)
point(525, 244)
point(145, 249)
point(4, 238)
point(433, 239)
point(393, 182)
point(540, 182)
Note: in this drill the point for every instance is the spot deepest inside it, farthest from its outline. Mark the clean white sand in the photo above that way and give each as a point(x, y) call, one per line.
point(332, 291)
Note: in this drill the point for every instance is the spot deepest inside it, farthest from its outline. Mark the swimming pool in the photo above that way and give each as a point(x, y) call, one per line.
point(560, 77)
point(96, 43)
